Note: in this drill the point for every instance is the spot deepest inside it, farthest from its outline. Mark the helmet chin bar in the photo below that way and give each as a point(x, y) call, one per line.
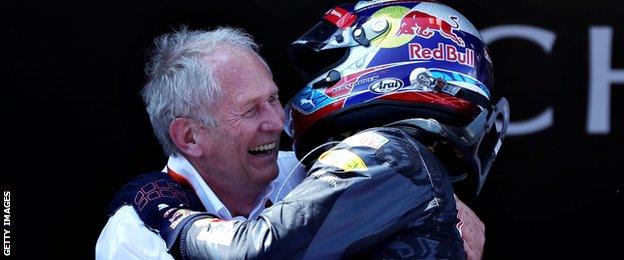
point(470, 142)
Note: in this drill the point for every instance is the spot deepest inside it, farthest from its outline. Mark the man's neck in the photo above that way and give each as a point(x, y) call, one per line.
point(239, 199)
point(239, 202)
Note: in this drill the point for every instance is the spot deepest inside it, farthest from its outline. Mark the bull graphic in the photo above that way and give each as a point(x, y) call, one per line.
point(426, 23)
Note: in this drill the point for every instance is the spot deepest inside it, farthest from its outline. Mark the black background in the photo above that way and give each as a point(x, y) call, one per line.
point(74, 128)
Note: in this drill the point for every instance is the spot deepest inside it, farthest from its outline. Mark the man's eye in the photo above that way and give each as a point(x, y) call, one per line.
point(273, 99)
point(251, 112)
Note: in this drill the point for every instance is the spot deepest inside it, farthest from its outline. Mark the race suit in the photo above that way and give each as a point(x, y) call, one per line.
point(377, 194)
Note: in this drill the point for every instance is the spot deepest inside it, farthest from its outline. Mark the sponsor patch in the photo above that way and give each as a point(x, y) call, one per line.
point(310, 100)
point(386, 85)
point(426, 25)
point(340, 17)
point(343, 159)
point(341, 90)
point(225, 229)
point(443, 52)
point(178, 216)
point(369, 139)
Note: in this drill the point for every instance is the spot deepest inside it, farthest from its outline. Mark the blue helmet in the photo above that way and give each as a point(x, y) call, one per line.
point(414, 63)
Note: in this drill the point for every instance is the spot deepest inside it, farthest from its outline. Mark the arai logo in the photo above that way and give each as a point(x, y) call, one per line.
point(386, 85)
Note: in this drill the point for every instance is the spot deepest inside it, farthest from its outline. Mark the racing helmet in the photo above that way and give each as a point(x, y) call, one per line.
point(419, 65)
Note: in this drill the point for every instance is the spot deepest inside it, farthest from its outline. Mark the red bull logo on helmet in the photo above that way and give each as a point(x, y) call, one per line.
point(424, 25)
point(443, 52)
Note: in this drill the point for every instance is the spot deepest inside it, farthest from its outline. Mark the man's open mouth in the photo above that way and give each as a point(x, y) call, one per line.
point(262, 150)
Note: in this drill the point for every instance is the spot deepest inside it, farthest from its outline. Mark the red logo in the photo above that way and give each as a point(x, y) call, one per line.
point(340, 17)
point(444, 52)
point(424, 25)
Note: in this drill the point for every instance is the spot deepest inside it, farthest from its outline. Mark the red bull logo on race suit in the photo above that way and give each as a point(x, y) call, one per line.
point(424, 25)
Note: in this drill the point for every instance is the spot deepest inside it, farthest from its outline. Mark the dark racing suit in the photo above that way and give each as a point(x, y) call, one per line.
point(377, 194)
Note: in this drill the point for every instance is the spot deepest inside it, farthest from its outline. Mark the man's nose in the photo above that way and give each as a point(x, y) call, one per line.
point(274, 121)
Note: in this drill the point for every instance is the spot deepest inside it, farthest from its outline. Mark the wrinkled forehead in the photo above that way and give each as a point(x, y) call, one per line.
point(244, 79)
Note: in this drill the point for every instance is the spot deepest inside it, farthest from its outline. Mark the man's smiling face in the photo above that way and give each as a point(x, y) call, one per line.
point(244, 144)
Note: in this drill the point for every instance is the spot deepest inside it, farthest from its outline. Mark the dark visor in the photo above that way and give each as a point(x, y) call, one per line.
point(310, 62)
point(319, 35)
point(325, 43)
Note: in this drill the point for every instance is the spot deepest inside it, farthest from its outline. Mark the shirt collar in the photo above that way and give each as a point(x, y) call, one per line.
point(209, 199)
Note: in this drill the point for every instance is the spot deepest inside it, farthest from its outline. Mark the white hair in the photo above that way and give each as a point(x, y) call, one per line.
point(181, 82)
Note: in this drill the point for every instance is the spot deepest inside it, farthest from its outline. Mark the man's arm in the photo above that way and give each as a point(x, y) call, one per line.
point(126, 237)
point(355, 195)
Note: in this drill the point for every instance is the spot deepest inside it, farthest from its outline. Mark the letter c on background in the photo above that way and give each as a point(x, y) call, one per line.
point(543, 38)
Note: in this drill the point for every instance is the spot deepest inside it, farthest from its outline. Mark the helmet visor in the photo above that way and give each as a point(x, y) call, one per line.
point(325, 43)
point(311, 63)
point(323, 35)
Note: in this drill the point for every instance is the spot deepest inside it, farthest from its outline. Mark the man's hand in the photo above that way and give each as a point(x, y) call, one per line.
point(472, 231)
point(162, 204)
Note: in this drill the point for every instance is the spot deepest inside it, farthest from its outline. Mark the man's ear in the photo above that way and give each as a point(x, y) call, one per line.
point(183, 132)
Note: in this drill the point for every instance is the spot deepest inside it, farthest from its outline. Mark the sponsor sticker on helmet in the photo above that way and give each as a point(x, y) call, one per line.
point(443, 52)
point(424, 25)
point(340, 17)
point(386, 85)
point(344, 89)
point(310, 100)
point(343, 159)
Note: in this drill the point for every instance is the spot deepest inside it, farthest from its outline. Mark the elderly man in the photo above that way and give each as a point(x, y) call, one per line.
point(215, 109)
